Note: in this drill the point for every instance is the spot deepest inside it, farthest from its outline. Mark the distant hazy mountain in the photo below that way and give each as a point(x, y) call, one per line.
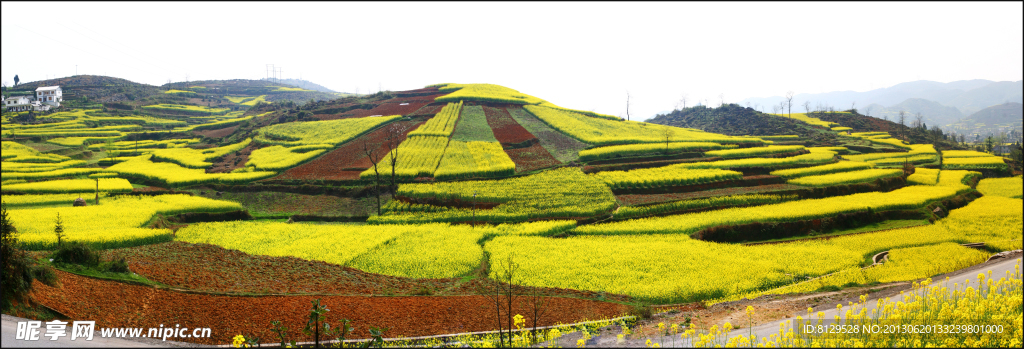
point(993, 120)
point(933, 112)
point(968, 96)
point(306, 85)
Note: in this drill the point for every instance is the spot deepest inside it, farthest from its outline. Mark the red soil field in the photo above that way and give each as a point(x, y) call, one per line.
point(506, 129)
point(346, 162)
point(531, 158)
point(389, 108)
point(113, 304)
point(428, 110)
point(218, 133)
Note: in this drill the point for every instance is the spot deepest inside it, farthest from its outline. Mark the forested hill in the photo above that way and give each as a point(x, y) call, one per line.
point(732, 119)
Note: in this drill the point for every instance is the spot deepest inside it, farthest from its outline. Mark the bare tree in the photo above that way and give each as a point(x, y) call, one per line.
point(682, 101)
point(627, 105)
point(376, 173)
point(748, 104)
point(782, 107)
point(807, 107)
point(775, 109)
point(393, 139)
point(504, 296)
point(721, 98)
point(902, 119)
point(918, 120)
point(789, 102)
point(668, 133)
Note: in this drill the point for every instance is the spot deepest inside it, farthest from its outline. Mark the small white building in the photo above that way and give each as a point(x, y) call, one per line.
point(51, 95)
point(18, 103)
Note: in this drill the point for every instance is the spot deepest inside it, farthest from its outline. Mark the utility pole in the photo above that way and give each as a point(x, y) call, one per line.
point(279, 74)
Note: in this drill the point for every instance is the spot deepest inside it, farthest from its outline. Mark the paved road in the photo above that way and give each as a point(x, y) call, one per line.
point(998, 270)
point(9, 329)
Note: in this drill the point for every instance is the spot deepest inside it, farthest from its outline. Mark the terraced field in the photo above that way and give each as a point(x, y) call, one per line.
point(600, 214)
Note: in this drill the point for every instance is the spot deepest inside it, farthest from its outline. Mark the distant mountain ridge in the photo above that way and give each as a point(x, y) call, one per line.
point(305, 84)
point(1004, 117)
point(967, 96)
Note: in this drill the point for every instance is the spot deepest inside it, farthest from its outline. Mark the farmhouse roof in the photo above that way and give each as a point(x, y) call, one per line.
point(47, 88)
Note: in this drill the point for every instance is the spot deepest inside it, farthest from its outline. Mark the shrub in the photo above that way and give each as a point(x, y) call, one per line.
point(118, 266)
point(76, 253)
point(45, 274)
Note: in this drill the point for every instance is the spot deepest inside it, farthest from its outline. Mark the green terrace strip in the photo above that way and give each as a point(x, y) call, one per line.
point(79, 141)
point(197, 158)
point(924, 176)
point(564, 193)
point(780, 137)
point(61, 173)
point(1005, 187)
point(648, 149)
point(186, 109)
point(115, 223)
point(991, 162)
point(18, 201)
point(664, 177)
point(145, 144)
point(472, 126)
point(248, 101)
point(601, 132)
point(964, 154)
point(334, 132)
point(842, 166)
point(630, 212)
point(464, 160)
point(752, 152)
point(846, 177)
point(177, 176)
point(442, 124)
point(814, 158)
point(906, 198)
point(276, 158)
point(485, 93)
point(109, 185)
point(419, 156)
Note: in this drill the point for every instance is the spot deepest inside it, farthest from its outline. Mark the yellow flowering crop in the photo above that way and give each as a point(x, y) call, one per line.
point(1005, 187)
point(846, 177)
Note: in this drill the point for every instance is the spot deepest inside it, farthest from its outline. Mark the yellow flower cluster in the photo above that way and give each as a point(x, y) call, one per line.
point(334, 132)
point(276, 158)
point(846, 177)
point(463, 160)
point(564, 193)
point(648, 149)
point(664, 176)
point(197, 158)
point(1005, 187)
point(442, 124)
point(418, 157)
point(630, 212)
point(807, 119)
point(842, 166)
point(176, 176)
point(106, 185)
point(116, 222)
point(924, 176)
point(753, 152)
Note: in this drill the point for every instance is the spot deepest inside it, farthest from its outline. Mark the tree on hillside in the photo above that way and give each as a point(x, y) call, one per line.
point(807, 107)
point(668, 133)
point(376, 173)
point(918, 120)
point(789, 102)
point(775, 109)
point(393, 140)
point(16, 80)
point(782, 107)
point(721, 99)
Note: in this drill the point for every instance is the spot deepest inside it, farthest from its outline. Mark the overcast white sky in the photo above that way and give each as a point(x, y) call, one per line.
point(577, 55)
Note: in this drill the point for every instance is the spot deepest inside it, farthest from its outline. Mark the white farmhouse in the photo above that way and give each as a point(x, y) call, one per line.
point(51, 95)
point(18, 103)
